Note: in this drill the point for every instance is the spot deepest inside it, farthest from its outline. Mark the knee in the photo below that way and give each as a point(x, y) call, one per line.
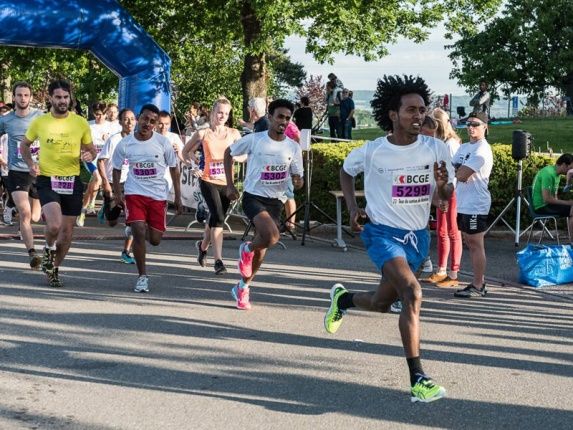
point(412, 296)
point(153, 241)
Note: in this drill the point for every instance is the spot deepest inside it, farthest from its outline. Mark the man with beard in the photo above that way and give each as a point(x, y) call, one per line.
point(65, 141)
point(272, 158)
point(21, 184)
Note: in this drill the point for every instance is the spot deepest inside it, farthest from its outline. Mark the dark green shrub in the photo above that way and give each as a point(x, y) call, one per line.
point(328, 159)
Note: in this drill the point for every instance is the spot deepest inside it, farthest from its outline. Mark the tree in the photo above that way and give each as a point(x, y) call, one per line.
point(314, 89)
point(524, 50)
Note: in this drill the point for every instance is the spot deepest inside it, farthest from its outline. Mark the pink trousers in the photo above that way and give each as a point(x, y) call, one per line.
point(449, 237)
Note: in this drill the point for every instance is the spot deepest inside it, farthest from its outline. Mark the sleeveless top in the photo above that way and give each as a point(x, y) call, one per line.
point(214, 153)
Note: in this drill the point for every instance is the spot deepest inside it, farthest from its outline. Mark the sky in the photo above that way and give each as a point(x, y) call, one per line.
point(428, 60)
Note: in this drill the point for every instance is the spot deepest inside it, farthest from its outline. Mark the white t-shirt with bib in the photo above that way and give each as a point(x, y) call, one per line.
point(106, 154)
point(270, 163)
point(399, 180)
point(148, 162)
point(473, 197)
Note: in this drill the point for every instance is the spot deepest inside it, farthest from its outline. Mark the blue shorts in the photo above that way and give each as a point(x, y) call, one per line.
point(385, 243)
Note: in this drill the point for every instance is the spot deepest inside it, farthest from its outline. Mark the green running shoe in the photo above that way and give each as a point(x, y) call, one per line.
point(333, 317)
point(425, 391)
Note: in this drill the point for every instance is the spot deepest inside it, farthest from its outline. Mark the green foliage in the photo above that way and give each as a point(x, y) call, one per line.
point(523, 50)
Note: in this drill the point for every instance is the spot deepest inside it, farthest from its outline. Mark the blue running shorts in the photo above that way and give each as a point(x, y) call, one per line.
point(385, 243)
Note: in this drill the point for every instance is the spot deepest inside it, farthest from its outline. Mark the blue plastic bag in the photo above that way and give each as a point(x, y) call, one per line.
point(542, 265)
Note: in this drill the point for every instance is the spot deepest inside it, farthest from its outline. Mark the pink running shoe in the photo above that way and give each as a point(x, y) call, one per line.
point(245, 261)
point(242, 297)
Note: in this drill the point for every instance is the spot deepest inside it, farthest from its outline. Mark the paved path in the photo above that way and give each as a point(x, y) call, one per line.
point(95, 355)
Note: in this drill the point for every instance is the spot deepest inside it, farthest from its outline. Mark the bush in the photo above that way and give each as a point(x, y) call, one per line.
point(328, 159)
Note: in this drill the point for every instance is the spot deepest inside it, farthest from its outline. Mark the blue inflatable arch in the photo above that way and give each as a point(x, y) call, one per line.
point(102, 27)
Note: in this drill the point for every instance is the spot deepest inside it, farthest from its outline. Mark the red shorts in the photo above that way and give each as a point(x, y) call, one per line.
point(141, 208)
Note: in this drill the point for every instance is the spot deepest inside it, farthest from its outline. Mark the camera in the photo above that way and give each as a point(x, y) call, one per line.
point(521, 145)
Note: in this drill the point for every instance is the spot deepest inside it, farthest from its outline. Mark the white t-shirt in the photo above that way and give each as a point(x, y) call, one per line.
point(473, 197)
point(4, 153)
point(106, 154)
point(98, 131)
point(148, 161)
point(113, 127)
point(270, 163)
point(399, 180)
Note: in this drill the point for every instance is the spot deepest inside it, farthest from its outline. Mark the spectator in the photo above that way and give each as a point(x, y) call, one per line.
point(473, 163)
point(332, 101)
point(258, 120)
point(346, 114)
point(480, 102)
point(545, 187)
point(302, 117)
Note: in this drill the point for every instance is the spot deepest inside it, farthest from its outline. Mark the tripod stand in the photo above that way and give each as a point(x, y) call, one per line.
point(517, 198)
point(308, 203)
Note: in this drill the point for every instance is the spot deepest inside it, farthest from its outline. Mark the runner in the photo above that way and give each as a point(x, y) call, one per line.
point(273, 157)
point(21, 184)
point(109, 210)
point(100, 131)
point(401, 172)
point(214, 140)
point(65, 140)
point(145, 199)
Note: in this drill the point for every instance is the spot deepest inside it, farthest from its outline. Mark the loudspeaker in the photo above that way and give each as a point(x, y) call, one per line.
point(521, 145)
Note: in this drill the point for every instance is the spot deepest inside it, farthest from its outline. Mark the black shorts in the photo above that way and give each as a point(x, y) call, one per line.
point(472, 224)
point(71, 204)
point(554, 210)
point(254, 205)
point(22, 181)
point(217, 201)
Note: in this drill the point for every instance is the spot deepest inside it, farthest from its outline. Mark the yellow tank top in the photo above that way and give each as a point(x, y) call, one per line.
point(60, 143)
point(214, 154)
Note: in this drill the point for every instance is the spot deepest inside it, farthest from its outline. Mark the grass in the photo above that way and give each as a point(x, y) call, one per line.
point(555, 133)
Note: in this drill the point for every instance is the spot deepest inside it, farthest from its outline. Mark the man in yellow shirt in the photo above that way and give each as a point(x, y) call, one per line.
point(65, 140)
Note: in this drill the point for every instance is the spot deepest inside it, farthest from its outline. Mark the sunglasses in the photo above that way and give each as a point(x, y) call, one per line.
point(474, 124)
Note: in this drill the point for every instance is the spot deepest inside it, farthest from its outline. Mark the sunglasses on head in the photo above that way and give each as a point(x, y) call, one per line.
point(473, 123)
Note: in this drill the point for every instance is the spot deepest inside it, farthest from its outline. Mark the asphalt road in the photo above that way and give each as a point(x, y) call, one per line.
point(96, 355)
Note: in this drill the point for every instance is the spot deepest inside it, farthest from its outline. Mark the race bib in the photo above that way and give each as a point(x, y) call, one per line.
point(274, 174)
point(34, 150)
point(145, 171)
point(410, 188)
point(217, 170)
point(63, 184)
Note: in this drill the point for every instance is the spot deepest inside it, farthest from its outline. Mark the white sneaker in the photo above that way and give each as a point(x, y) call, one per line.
point(427, 265)
point(142, 285)
point(128, 232)
point(91, 210)
point(81, 219)
point(8, 212)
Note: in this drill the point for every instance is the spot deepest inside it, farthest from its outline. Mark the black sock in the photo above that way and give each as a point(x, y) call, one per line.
point(415, 366)
point(345, 301)
point(31, 250)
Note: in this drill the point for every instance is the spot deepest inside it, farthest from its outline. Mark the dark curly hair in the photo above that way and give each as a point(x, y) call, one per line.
point(388, 96)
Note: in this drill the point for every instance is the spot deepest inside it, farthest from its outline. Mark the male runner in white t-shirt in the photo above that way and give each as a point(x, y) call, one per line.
point(146, 189)
point(105, 169)
point(401, 173)
point(272, 158)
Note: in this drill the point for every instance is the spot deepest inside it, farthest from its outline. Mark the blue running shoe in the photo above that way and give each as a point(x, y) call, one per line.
point(127, 259)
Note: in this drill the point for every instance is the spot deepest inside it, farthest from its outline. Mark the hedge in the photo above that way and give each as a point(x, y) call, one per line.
point(328, 159)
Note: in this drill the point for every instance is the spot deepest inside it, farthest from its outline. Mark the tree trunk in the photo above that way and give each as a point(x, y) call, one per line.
point(254, 76)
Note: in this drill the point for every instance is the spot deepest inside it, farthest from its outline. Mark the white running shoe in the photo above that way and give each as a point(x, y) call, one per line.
point(142, 285)
point(8, 212)
point(427, 265)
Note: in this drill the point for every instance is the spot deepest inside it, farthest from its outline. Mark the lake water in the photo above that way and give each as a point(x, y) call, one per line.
point(499, 109)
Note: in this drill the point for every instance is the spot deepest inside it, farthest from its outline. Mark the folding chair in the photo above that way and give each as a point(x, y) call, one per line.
point(542, 220)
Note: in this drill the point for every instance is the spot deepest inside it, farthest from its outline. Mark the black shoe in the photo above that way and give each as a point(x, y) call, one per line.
point(201, 255)
point(220, 268)
point(48, 260)
point(471, 291)
point(54, 279)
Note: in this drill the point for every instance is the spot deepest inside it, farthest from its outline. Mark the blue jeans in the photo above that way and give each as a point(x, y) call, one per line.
point(334, 125)
point(347, 129)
